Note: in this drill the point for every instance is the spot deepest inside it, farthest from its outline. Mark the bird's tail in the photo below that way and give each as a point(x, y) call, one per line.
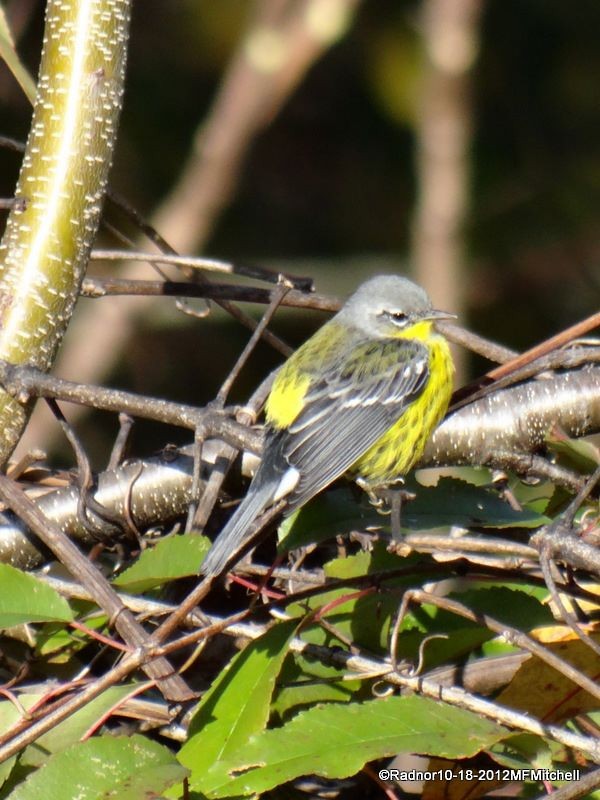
point(234, 534)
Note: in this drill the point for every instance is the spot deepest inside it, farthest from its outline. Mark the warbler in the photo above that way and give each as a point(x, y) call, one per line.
point(360, 397)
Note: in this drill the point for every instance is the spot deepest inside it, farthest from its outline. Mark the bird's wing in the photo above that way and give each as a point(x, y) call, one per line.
point(348, 410)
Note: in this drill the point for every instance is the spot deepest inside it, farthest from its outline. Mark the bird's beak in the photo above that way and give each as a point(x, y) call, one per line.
point(436, 315)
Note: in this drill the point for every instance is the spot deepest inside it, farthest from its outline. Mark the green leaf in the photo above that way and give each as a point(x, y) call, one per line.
point(6, 768)
point(237, 704)
point(336, 741)
point(328, 515)
point(514, 607)
point(24, 598)
point(9, 54)
point(363, 617)
point(71, 730)
point(378, 559)
point(304, 681)
point(451, 502)
point(59, 644)
point(455, 502)
point(102, 767)
point(576, 454)
point(308, 693)
point(523, 750)
point(172, 557)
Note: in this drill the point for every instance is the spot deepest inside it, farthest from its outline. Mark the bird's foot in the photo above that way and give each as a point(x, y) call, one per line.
point(388, 500)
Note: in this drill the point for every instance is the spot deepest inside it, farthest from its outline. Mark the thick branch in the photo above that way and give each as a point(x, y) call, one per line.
point(62, 183)
point(518, 419)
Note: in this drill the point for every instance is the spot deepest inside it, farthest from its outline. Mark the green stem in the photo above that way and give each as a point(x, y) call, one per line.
point(50, 231)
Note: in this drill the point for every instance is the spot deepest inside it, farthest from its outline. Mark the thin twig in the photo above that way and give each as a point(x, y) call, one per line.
point(86, 501)
point(543, 356)
point(25, 382)
point(277, 296)
point(508, 633)
point(557, 540)
point(301, 283)
point(555, 342)
point(557, 359)
point(226, 455)
point(97, 287)
point(19, 737)
point(580, 788)
point(561, 526)
point(484, 675)
point(194, 275)
point(119, 448)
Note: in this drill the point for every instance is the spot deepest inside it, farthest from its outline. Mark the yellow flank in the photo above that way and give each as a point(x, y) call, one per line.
point(400, 448)
point(286, 399)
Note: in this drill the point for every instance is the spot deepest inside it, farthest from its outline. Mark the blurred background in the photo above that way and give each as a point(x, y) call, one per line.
point(452, 140)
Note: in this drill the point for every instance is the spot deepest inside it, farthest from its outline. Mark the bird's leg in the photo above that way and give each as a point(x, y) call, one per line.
point(395, 498)
point(388, 500)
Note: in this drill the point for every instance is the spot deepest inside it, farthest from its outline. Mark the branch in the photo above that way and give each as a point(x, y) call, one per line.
point(518, 419)
point(501, 430)
point(63, 178)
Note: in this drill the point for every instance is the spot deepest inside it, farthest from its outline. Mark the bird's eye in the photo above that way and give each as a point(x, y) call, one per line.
point(397, 317)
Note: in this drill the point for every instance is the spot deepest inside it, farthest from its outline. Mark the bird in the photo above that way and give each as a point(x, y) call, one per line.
point(359, 398)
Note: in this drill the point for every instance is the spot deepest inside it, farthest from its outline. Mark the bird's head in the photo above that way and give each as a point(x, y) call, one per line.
point(391, 306)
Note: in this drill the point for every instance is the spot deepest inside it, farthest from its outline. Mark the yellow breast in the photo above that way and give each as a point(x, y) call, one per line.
point(394, 453)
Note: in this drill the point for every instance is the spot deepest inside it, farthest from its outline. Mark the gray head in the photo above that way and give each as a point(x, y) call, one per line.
point(385, 305)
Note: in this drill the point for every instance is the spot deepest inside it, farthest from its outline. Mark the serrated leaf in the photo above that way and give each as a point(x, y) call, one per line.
point(451, 502)
point(172, 557)
point(105, 766)
point(455, 502)
point(336, 741)
point(24, 598)
point(237, 704)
